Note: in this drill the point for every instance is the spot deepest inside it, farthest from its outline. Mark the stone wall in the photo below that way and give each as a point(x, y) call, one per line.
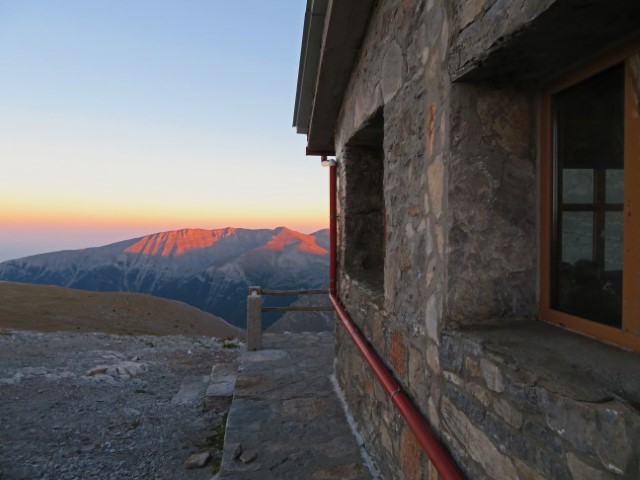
point(460, 241)
point(491, 257)
point(398, 72)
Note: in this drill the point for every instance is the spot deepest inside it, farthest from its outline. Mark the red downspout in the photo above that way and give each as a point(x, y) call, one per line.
point(434, 449)
point(333, 214)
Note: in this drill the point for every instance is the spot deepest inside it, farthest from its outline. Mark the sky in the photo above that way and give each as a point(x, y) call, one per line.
point(121, 118)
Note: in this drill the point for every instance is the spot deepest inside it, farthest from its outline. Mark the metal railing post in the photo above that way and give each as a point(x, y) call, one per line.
point(254, 319)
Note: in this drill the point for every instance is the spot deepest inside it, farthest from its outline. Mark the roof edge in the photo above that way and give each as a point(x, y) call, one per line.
point(309, 61)
point(331, 47)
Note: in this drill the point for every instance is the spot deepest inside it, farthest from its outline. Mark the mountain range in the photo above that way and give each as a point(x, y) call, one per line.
point(209, 269)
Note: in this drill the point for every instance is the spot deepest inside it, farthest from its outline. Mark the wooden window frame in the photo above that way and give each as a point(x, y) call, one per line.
point(629, 335)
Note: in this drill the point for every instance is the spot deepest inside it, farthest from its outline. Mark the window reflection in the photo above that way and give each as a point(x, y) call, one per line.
point(588, 172)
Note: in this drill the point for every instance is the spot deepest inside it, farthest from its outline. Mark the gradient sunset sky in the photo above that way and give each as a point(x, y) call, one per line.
point(120, 118)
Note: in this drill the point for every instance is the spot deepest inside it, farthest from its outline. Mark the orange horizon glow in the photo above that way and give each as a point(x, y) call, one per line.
point(93, 215)
point(21, 239)
point(35, 224)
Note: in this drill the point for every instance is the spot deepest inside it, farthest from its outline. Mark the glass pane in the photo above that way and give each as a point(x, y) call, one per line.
point(577, 185)
point(613, 224)
point(588, 171)
point(590, 122)
point(577, 237)
point(615, 186)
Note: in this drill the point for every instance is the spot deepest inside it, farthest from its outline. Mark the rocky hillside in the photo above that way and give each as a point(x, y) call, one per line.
point(296, 322)
point(46, 308)
point(209, 269)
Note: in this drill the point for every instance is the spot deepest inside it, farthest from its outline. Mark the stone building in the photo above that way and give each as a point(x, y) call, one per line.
point(488, 169)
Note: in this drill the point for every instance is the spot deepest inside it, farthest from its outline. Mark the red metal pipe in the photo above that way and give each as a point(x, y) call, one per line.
point(435, 450)
point(332, 229)
point(386, 380)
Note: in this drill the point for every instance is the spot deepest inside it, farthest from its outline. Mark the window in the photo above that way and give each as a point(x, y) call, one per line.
point(590, 198)
point(364, 204)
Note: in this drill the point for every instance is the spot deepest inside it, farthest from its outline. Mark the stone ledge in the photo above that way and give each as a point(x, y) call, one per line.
point(551, 400)
point(369, 287)
point(559, 360)
point(501, 46)
point(364, 291)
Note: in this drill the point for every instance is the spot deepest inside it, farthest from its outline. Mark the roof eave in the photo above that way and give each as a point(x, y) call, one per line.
point(318, 100)
point(309, 60)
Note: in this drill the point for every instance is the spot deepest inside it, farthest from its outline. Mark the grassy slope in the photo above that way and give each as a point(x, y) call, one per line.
point(47, 308)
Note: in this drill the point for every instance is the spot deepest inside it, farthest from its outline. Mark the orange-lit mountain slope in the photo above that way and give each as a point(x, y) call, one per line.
point(178, 242)
point(287, 238)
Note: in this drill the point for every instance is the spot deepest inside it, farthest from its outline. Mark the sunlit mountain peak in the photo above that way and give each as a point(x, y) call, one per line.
point(287, 238)
point(178, 242)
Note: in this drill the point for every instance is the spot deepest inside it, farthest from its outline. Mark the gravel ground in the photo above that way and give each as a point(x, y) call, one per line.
point(98, 406)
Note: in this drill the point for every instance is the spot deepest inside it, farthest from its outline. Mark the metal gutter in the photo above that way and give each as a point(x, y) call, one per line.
point(309, 62)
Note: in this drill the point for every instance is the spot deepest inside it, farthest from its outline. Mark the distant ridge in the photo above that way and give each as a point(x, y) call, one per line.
point(209, 269)
point(178, 242)
point(297, 322)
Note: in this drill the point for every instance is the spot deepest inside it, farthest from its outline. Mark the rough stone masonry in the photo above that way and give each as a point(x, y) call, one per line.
point(437, 148)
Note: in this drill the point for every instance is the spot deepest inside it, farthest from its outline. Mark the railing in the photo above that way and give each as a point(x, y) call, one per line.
point(255, 310)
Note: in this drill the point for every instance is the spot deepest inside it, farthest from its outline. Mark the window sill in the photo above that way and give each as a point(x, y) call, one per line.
point(558, 360)
point(369, 285)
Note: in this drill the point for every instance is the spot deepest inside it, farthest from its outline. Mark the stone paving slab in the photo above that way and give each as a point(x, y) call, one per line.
point(286, 421)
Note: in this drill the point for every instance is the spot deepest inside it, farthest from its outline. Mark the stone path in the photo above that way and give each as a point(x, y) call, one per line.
point(286, 420)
